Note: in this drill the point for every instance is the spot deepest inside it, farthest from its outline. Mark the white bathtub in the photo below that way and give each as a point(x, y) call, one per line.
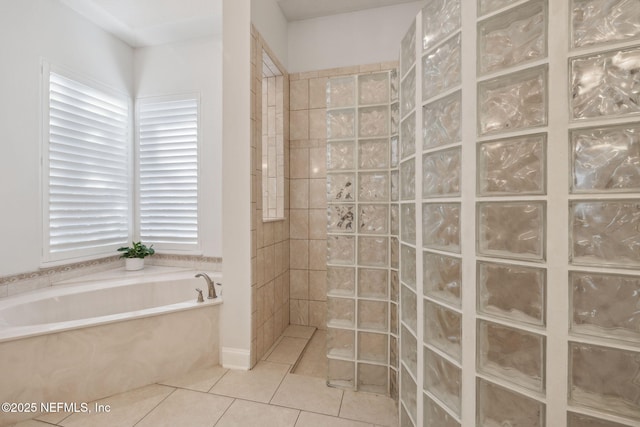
point(105, 334)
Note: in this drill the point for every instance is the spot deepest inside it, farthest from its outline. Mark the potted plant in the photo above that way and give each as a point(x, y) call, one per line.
point(134, 255)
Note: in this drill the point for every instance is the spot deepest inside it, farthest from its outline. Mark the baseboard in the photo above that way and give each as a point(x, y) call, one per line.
point(236, 358)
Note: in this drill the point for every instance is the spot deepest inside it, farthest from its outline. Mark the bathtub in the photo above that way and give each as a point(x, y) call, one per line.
point(107, 333)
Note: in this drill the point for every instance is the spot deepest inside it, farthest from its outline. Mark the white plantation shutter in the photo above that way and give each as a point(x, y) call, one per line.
point(168, 172)
point(87, 177)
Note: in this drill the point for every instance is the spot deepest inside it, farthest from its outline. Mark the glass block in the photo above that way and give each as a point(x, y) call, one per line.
point(488, 6)
point(595, 22)
point(341, 281)
point(442, 277)
point(580, 420)
point(605, 232)
point(408, 136)
point(604, 378)
point(393, 352)
point(374, 187)
point(511, 354)
point(498, 406)
point(441, 121)
point(341, 92)
point(441, 173)
point(408, 180)
point(373, 251)
point(605, 84)
point(408, 49)
point(605, 159)
point(512, 102)
point(340, 187)
point(372, 347)
point(373, 154)
point(341, 155)
point(442, 68)
point(373, 121)
point(409, 351)
point(394, 318)
point(373, 219)
point(513, 37)
point(443, 329)
point(372, 315)
point(341, 343)
point(373, 88)
point(395, 147)
point(341, 373)
point(340, 312)
point(405, 419)
point(395, 285)
point(395, 252)
point(395, 185)
point(373, 283)
point(408, 392)
point(436, 415)
point(408, 222)
point(440, 18)
point(393, 84)
point(408, 93)
point(394, 392)
point(341, 218)
point(408, 308)
point(372, 378)
point(443, 379)
point(341, 124)
point(341, 250)
point(512, 292)
point(512, 229)
point(408, 266)
point(605, 305)
point(395, 219)
point(395, 118)
point(441, 226)
point(512, 166)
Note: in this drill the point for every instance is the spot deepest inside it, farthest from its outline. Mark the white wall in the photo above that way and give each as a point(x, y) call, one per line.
point(356, 38)
point(193, 66)
point(270, 22)
point(31, 30)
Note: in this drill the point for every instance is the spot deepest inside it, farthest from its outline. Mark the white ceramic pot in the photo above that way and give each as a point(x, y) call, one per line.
point(133, 264)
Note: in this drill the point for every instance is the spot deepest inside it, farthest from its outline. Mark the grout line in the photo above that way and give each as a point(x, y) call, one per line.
point(302, 353)
point(158, 404)
point(225, 411)
point(218, 380)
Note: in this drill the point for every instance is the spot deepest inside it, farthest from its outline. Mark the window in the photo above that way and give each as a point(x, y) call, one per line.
point(168, 171)
point(86, 167)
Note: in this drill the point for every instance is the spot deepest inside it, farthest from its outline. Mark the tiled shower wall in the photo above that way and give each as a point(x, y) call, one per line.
point(308, 191)
point(270, 239)
point(519, 214)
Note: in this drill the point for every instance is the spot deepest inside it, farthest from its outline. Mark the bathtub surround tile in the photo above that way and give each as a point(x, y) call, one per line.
point(187, 408)
point(258, 385)
point(287, 350)
point(368, 407)
point(310, 394)
point(126, 408)
point(199, 380)
point(243, 413)
point(309, 419)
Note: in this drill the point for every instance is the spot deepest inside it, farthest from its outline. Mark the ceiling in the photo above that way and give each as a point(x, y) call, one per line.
point(153, 22)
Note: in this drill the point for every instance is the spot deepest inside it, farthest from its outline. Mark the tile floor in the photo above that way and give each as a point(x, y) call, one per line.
point(269, 395)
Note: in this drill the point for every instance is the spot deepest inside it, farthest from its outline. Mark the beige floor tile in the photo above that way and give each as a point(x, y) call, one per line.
point(245, 414)
point(126, 409)
point(288, 350)
point(309, 394)
point(186, 408)
point(314, 360)
point(309, 419)
point(373, 408)
point(299, 331)
point(258, 384)
point(30, 423)
point(200, 380)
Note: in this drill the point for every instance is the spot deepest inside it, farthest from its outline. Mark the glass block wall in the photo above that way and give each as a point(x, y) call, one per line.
point(361, 246)
point(519, 214)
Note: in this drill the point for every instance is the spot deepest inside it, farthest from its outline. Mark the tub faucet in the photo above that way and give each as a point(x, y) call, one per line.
point(212, 289)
